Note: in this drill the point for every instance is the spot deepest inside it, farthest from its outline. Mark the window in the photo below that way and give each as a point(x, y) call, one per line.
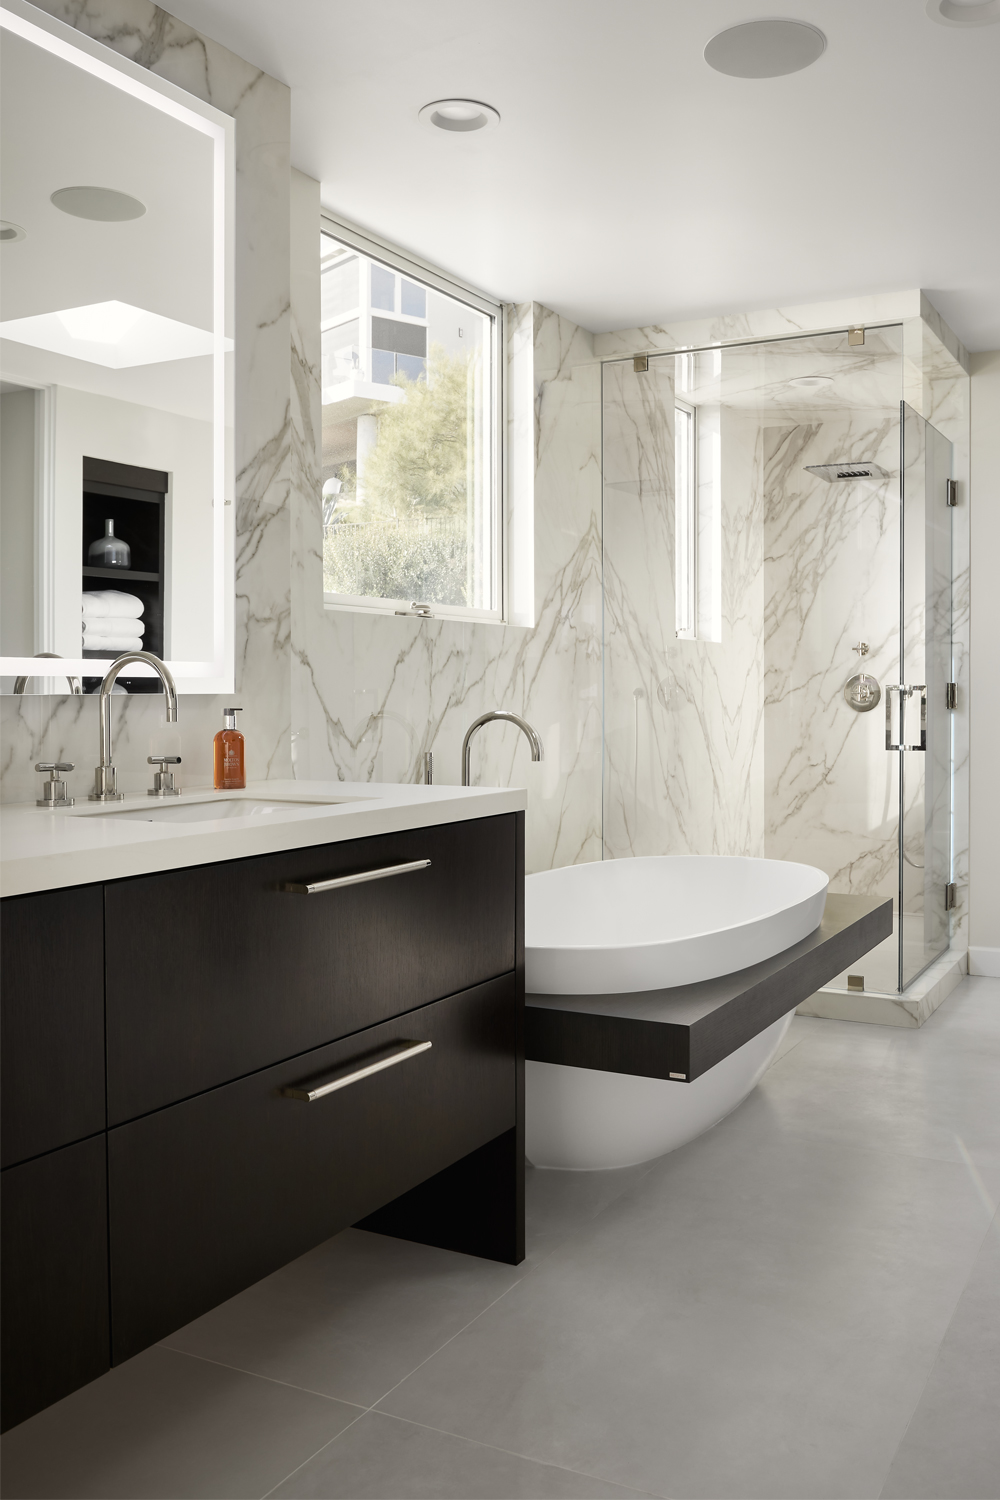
point(685, 523)
point(411, 393)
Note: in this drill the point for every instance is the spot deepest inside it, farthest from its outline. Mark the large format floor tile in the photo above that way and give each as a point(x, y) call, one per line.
point(951, 1450)
point(757, 1316)
point(167, 1426)
point(381, 1458)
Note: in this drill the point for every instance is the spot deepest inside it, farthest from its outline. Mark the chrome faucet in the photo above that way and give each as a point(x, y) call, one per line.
point(105, 776)
point(501, 713)
point(20, 683)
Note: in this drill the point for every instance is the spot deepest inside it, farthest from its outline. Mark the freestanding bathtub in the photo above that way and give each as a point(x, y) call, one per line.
point(620, 926)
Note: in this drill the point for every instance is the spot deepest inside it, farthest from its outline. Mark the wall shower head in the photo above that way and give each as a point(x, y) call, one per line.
point(832, 472)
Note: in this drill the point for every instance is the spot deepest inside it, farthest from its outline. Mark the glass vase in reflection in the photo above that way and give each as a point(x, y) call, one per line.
point(109, 551)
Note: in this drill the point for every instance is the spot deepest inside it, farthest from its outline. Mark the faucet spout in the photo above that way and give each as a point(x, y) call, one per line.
point(105, 776)
point(75, 685)
point(530, 733)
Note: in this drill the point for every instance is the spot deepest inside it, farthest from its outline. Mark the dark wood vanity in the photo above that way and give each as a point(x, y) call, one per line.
point(159, 1036)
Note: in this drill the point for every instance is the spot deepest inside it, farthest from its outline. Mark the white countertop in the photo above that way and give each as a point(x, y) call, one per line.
point(42, 850)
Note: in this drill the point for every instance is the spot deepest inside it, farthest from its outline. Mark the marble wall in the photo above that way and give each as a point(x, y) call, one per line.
point(41, 727)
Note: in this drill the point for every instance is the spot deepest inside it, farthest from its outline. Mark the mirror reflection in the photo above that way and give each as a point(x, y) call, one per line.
point(110, 419)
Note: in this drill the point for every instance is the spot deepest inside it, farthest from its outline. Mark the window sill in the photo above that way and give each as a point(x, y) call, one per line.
point(396, 609)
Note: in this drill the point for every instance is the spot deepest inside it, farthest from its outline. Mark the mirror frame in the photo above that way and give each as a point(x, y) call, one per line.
point(217, 674)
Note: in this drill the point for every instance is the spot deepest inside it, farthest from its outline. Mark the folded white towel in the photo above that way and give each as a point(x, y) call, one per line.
point(112, 643)
point(112, 603)
point(111, 625)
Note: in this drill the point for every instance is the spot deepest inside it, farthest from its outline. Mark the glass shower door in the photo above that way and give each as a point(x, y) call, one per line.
point(917, 714)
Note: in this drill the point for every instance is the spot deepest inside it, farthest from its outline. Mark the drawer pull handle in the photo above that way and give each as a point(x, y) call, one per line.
point(316, 887)
point(397, 1053)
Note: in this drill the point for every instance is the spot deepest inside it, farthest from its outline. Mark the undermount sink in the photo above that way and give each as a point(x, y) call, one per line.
point(210, 808)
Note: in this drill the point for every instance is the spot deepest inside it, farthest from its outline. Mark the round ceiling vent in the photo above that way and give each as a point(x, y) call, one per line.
point(964, 12)
point(9, 231)
point(103, 204)
point(459, 115)
point(766, 49)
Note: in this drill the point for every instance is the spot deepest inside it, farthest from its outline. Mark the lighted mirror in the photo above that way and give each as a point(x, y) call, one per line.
point(116, 528)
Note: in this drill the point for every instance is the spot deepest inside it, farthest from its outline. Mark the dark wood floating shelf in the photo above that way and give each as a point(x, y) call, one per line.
point(131, 573)
point(688, 1029)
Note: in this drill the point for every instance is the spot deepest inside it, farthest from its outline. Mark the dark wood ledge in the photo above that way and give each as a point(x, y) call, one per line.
point(687, 1030)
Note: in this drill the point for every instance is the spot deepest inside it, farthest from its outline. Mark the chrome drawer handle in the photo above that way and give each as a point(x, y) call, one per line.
point(340, 1079)
point(315, 887)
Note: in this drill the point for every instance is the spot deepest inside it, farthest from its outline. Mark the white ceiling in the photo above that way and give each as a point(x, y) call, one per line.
point(628, 183)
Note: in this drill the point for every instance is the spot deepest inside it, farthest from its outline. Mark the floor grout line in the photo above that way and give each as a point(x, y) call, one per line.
point(272, 1379)
point(389, 1392)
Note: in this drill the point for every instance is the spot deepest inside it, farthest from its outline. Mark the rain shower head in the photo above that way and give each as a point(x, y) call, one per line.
point(832, 472)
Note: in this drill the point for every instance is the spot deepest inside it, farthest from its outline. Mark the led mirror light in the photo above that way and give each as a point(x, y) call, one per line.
point(461, 115)
point(113, 334)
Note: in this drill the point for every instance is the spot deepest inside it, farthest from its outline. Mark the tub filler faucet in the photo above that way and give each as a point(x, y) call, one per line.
point(105, 776)
point(530, 734)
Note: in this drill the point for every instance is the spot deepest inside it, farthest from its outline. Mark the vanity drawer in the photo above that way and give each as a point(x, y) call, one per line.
point(52, 988)
point(216, 971)
point(212, 1194)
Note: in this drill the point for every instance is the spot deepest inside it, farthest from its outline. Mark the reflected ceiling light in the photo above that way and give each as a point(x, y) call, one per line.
point(103, 204)
point(765, 49)
point(114, 334)
point(811, 382)
point(964, 12)
point(459, 115)
point(9, 231)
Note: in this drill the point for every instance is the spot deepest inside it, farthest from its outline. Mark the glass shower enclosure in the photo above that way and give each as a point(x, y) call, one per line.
point(777, 574)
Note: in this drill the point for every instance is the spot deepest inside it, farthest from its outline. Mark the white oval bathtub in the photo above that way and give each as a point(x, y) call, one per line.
point(620, 926)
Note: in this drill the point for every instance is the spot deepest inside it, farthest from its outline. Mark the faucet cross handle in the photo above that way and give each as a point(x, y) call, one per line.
point(861, 648)
point(163, 780)
point(54, 790)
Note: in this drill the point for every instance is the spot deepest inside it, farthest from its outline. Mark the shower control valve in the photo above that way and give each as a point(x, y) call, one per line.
point(861, 648)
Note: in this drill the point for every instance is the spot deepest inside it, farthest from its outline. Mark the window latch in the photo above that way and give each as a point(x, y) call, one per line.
point(421, 610)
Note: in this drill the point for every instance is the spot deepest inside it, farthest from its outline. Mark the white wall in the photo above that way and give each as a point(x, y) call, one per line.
point(17, 519)
point(984, 708)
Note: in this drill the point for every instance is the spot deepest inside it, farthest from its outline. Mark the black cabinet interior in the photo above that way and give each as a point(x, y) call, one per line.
point(136, 500)
point(54, 1277)
point(52, 1009)
point(247, 973)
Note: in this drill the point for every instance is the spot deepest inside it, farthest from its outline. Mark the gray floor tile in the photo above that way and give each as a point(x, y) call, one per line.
point(381, 1458)
point(756, 1317)
point(951, 1450)
point(165, 1425)
point(560, 1204)
point(351, 1318)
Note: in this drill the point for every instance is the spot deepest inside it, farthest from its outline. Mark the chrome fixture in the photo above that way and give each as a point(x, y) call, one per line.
point(502, 714)
point(421, 610)
point(847, 470)
point(105, 776)
point(337, 882)
point(905, 691)
point(862, 692)
point(640, 364)
point(342, 1078)
point(862, 648)
point(163, 780)
point(20, 683)
point(428, 768)
point(855, 338)
point(54, 790)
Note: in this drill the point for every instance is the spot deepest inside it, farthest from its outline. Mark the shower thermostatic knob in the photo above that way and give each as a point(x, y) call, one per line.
point(862, 692)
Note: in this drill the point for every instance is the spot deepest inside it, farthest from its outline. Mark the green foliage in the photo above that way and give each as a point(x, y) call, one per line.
point(406, 539)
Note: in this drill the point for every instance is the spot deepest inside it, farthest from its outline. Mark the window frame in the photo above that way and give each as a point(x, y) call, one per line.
point(403, 263)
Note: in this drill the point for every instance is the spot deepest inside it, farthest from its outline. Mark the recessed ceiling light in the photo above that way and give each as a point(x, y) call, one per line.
point(114, 334)
point(103, 204)
point(765, 49)
point(9, 231)
point(459, 115)
point(811, 382)
point(964, 12)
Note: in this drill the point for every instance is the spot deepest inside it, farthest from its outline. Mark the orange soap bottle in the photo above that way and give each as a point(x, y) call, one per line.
point(230, 766)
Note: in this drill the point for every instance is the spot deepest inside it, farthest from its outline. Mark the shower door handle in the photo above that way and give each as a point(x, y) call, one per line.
point(905, 692)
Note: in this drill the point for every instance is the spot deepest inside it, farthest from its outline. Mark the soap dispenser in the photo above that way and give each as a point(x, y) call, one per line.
point(230, 767)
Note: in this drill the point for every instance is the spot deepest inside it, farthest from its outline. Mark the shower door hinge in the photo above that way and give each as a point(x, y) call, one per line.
point(855, 336)
point(951, 695)
point(950, 896)
point(951, 492)
point(640, 364)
